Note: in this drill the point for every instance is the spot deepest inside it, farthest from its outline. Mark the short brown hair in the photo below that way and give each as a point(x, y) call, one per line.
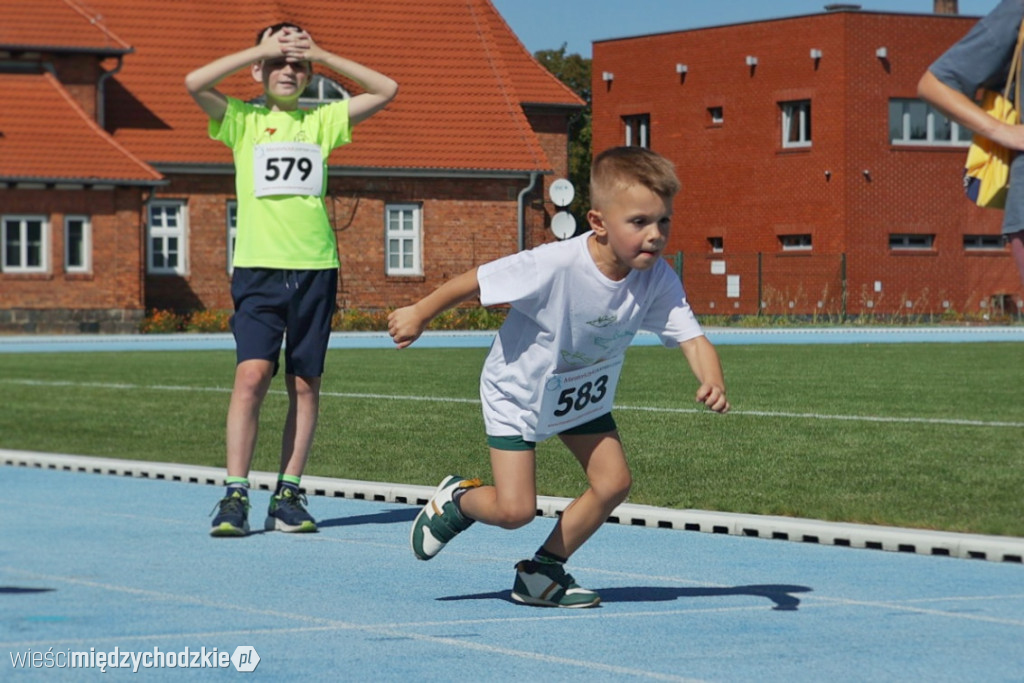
point(274, 28)
point(620, 167)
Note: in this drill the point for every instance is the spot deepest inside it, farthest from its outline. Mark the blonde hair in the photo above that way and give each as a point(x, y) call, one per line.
point(621, 167)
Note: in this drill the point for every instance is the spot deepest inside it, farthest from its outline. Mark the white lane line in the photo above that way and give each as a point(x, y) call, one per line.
point(959, 422)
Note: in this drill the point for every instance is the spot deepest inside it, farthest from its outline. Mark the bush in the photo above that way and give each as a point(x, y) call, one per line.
point(355, 320)
point(209, 321)
point(470, 318)
point(161, 322)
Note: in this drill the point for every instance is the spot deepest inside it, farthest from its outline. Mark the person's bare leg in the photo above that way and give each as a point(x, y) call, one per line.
point(252, 380)
point(604, 461)
point(300, 424)
point(512, 501)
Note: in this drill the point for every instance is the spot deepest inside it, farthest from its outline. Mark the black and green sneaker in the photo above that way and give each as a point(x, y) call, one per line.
point(440, 519)
point(232, 515)
point(287, 513)
point(547, 584)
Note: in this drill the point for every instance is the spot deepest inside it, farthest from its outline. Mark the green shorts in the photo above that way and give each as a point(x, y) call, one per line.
point(599, 425)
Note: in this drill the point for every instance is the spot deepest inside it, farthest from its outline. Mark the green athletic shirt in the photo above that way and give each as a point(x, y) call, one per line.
point(286, 231)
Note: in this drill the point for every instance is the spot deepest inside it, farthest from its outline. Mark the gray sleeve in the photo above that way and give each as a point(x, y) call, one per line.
point(982, 57)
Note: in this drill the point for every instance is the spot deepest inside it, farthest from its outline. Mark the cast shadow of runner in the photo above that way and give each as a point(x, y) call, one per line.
point(397, 515)
point(779, 594)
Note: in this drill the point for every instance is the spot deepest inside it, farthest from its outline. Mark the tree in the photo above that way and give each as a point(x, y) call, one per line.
point(574, 71)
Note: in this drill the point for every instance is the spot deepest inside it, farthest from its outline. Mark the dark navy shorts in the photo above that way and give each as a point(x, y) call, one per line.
point(272, 303)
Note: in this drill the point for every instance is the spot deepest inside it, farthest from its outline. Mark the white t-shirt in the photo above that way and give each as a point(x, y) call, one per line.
point(566, 315)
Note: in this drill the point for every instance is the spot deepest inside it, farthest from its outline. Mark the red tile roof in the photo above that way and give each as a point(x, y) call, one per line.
point(55, 140)
point(462, 73)
point(61, 24)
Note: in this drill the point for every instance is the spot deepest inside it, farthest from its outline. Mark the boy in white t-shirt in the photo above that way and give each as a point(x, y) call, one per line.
point(575, 307)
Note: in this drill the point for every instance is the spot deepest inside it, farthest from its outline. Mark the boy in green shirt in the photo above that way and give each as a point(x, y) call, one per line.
point(285, 275)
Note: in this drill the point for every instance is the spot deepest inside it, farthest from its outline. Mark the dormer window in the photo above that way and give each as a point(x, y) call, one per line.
point(322, 90)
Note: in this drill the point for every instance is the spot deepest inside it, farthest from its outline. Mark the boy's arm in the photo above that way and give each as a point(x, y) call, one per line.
point(707, 368)
point(200, 83)
point(378, 88)
point(405, 325)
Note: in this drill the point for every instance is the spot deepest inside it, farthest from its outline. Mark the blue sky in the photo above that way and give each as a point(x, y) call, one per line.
point(547, 24)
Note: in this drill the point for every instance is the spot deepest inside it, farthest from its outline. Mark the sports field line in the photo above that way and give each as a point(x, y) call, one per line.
point(322, 623)
point(958, 422)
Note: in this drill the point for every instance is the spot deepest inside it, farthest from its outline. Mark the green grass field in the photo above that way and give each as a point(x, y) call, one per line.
point(917, 435)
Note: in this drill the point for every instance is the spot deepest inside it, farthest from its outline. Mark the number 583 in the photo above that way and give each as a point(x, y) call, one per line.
point(578, 398)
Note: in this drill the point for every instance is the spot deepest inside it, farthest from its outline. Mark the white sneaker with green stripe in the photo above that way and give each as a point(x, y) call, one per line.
point(548, 585)
point(440, 520)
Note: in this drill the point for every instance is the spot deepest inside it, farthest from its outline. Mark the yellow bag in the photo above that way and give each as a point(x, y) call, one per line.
point(987, 170)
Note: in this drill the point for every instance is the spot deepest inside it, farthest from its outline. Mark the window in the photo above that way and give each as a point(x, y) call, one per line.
point(77, 244)
point(911, 241)
point(717, 245)
point(232, 229)
point(403, 239)
point(24, 244)
point(322, 90)
point(716, 116)
point(983, 243)
point(638, 130)
point(166, 238)
point(801, 242)
point(914, 122)
point(796, 123)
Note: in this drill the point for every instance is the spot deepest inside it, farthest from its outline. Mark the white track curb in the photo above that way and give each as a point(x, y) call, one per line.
point(921, 541)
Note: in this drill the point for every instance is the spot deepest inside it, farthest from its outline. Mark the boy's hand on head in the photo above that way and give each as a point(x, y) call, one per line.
point(713, 396)
point(270, 44)
point(405, 326)
point(294, 45)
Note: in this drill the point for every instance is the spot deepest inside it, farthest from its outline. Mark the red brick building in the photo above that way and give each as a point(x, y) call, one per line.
point(814, 180)
point(114, 201)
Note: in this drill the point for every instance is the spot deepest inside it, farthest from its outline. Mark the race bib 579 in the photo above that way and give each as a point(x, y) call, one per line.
point(287, 168)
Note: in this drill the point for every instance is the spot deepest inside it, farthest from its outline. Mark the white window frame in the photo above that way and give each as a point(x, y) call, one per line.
point(899, 241)
point(637, 130)
point(231, 225)
point(796, 242)
point(323, 90)
point(403, 240)
point(984, 243)
point(796, 123)
point(23, 222)
point(901, 125)
point(164, 235)
point(85, 248)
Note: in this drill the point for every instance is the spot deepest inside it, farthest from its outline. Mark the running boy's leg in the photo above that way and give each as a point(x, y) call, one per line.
point(512, 501)
point(458, 502)
point(543, 580)
point(604, 461)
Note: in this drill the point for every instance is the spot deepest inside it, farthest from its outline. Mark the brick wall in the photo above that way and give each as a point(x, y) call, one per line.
point(741, 184)
point(110, 297)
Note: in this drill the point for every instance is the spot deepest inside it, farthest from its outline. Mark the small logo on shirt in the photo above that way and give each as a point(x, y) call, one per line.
point(604, 320)
point(270, 131)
